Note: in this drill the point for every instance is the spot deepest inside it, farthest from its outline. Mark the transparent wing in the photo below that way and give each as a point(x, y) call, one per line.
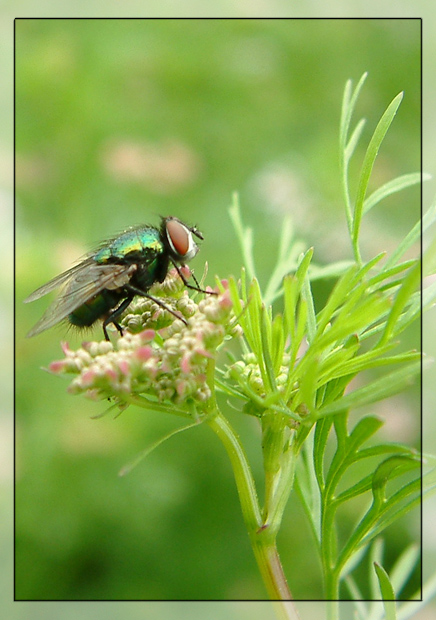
point(59, 280)
point(81, 283)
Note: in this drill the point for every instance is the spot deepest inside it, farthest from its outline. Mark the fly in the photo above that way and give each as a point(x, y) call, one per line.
point(103, 285)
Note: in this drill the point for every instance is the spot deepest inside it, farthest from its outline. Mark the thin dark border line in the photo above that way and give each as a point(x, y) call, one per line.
point(421, 321)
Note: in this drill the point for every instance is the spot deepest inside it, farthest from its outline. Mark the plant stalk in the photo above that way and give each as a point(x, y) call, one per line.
point(262, 540)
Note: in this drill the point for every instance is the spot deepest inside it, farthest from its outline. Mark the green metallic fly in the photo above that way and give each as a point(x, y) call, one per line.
point(103, 285)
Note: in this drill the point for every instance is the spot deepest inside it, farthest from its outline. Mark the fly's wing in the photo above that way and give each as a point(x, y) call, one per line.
point(81, 282)
point(58, 281)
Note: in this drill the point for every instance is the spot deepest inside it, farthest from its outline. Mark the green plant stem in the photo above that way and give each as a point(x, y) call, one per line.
point(244, 479)
point(280, 454)
point(327, 545)
point(332, 584)
point(270, 567)
point(262, 539)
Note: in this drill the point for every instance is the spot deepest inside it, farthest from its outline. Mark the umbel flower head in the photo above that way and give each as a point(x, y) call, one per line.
point(159, 355)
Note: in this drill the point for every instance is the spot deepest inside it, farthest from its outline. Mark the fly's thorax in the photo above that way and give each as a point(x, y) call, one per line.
point(135, 244)
point(147, 273)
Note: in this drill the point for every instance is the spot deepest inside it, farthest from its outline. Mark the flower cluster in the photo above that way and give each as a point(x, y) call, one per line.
point(169, 363)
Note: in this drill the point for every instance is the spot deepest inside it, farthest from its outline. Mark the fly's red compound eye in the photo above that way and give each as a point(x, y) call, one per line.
point(180, 239)
point(179, 236)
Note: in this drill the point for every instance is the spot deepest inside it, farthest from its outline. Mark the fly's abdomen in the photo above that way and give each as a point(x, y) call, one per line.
point(96, 308)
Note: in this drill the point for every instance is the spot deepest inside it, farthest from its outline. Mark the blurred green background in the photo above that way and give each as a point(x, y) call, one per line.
point(118, 122)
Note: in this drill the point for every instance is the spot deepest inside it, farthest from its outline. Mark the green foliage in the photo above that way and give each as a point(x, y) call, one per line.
point(297, 365)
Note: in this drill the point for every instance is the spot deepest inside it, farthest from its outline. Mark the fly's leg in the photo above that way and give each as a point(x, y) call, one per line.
point(137, 291)
point(111, 318)
point(186, 283)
